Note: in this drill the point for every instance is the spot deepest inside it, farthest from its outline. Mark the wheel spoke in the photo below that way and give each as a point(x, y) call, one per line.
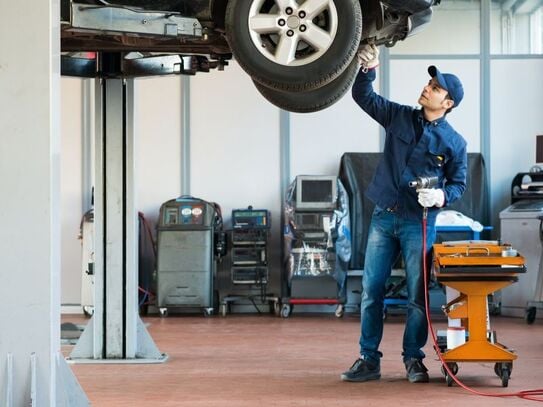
point(314, 7)
point(264, 23)
point(283, 4)
point(286, 49)
point(317, 37)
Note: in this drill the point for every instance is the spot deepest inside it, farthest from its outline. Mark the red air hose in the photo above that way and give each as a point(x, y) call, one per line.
point(525, 394)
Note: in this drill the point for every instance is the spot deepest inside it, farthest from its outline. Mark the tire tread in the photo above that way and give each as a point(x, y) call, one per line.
point(312, 100)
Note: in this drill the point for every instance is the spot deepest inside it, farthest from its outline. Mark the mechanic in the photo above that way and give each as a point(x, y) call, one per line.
point(419, 143)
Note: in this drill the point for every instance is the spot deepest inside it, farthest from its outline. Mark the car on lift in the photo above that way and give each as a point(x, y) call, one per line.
point(299, 53)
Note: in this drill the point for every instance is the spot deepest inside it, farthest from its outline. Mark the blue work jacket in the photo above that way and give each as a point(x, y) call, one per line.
point(440, 152)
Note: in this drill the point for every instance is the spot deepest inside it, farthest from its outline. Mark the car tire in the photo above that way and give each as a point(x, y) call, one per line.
point(320, 48)
point(312, 100)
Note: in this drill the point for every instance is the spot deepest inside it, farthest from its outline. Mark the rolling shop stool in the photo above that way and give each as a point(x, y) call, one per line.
point(475, 271)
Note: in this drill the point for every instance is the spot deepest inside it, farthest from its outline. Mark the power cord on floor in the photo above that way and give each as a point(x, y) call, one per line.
point(525, 394)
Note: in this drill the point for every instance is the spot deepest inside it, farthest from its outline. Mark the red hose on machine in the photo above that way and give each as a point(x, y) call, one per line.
point(525, 394)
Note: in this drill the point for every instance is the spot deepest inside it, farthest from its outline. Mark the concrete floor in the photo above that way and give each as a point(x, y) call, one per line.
point(262, 361)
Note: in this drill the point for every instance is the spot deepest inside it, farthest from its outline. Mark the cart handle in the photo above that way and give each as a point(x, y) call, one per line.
point(485, 249)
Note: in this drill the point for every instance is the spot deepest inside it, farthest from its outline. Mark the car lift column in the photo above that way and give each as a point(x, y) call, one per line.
point(115, 330)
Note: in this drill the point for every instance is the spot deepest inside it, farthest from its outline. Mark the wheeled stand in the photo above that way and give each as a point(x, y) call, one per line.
point(288, 304)
point(475, 271)
point(186, 256)
point(272, 301)
point(249, 271)
point(312, 282)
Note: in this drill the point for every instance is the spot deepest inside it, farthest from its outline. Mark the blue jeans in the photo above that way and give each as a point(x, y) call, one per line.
point(388, 236)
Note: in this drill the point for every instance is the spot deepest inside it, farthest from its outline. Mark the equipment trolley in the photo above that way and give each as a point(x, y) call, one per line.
point(475, 271)
point(316, 239)
point(186, 264)
point(312, 281)
point(249, 269)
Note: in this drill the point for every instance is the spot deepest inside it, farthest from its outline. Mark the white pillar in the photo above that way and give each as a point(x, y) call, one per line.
point(32, 370)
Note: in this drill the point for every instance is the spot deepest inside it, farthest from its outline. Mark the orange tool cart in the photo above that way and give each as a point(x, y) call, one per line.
point(476, 270)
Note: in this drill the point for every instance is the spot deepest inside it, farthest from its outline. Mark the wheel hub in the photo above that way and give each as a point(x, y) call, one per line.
point(295, 36)
point(293, 22)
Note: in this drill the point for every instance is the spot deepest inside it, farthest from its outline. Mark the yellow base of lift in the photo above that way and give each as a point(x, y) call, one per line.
point(475, 271)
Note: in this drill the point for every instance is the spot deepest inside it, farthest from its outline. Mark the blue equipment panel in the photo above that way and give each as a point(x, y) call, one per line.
point(250, 219)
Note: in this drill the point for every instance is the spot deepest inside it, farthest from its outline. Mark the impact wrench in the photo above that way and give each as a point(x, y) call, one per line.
point(430, 182)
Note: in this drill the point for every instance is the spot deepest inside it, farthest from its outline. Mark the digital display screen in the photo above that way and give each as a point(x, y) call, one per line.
point(170, 216)
point(250, 218)
point(317, 191)
point(250, 213)
point(308, 221)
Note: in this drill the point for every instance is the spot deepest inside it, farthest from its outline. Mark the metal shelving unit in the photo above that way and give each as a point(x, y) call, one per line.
point(249, 271)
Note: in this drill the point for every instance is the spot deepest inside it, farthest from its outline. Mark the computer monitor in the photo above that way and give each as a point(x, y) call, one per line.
point(316, 192)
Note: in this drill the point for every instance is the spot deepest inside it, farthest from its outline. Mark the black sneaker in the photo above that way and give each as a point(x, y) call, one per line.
point(416, 371)
point(362, 371)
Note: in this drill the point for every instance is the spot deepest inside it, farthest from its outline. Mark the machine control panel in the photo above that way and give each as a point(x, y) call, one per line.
point(250, 219)
point(312, 221)
point(184, 213)
point(171, 216)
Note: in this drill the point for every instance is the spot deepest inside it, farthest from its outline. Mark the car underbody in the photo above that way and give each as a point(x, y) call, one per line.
point(284, 45)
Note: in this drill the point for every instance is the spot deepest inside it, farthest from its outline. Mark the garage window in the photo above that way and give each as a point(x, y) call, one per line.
point(517, 27)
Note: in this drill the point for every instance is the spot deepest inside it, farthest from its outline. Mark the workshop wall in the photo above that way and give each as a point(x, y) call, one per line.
point(516, 119)
point(465, 119)
point(158, 143)
point(318, 140)
point(454, 30)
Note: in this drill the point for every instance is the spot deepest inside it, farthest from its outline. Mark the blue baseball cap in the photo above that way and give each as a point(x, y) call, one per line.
point(449, 82)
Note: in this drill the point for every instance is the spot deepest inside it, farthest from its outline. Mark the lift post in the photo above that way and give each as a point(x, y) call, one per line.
point(115, 331)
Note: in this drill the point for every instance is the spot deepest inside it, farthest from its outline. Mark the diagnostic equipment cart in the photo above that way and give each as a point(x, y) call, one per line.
point(186, 265)
point(311, 216)
point(476, 270)
point(249, 271)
